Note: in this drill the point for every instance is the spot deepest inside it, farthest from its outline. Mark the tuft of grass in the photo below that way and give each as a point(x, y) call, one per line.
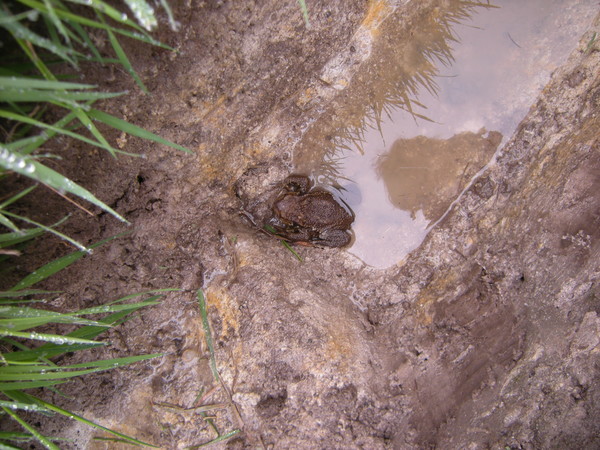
point(47, 32)
point(38, 37)
point(25, 365)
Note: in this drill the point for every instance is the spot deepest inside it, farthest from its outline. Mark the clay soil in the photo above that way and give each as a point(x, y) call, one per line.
point(486, 336)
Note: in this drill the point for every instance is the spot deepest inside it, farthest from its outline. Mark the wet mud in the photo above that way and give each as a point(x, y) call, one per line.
point(485, 335)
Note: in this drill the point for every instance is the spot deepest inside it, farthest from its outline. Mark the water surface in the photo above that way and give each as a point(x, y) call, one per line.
point(430, 110)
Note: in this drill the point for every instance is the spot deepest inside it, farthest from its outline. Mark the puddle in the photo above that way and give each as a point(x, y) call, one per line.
point(431, 109)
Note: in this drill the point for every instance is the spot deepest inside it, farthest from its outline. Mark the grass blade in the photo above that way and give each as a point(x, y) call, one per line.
point(16, 294)
point(55, 338)
point(21, 32)
point(304, 10)
point(37, 83)
point(40, 437)
point(57, 265)
point(64, 412)
point(52, 128)
point(33, 169)
point(10, 239)
point(56, 21)
point(20, 385)
point(87, 122)
point(116, 308)
point(111, 12)
point(28, 145)
point(220, 438)
point(172, 22)
point(70, 17)
point(46, 373)
point(124, 60)
point(16, 197)
point(289, 247)
point(143, 12)
point(57, 97)
point(22, 406)
point(50, 230)
point(133, 130)
point(8, 223)
point(26, 323)
point(207, 334)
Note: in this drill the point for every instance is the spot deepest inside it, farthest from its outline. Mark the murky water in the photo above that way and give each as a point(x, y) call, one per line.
point(430, 111)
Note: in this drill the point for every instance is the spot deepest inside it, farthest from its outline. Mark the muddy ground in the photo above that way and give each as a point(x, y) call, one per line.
point(486, 336)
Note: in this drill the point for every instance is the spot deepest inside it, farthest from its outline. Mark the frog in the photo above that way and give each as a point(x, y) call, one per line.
point(309, 215)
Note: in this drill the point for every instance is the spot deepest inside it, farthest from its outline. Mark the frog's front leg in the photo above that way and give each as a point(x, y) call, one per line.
point(297, 184)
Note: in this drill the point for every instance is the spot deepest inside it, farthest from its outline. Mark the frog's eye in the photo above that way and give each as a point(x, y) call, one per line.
point(294, 186)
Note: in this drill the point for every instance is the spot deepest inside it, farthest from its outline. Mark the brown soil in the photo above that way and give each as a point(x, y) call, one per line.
point(486, 336)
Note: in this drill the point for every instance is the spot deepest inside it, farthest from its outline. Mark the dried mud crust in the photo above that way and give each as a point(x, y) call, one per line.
point(486, 336)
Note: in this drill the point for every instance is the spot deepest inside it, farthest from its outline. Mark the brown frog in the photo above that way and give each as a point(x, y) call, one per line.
point(310, 216)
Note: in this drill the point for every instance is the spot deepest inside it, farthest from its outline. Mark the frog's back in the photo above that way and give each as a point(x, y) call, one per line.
point(322, 211)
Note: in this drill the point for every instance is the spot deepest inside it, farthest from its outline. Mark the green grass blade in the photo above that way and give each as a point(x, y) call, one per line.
point(55, 338)
point(40, 437)
point(52, 128)
point(26, 323)
point(133, 130)
point(14, 436)
point(20, 385)
point(23, 317)
point(23, 33)
point(37, 83)
point(8, 223)
point(172, 22)
point(289, 247)
point(207, 334)
point(49, 350)
point(16, 197)
point(103, 364)
point(10, 18)
point(22, 145)
point(70, 17)
point(124, 60)
point(37, 62)
point(50, 230)
point(220, 438)
point(44, 351)
point(87, 41)
point(111, 12)
point(116, 308)
point(81, 419)
point(87, 122)
point(106, 364)
point(56, 21)
point(45, 373)
point(57, 97)
point(20, 301)
point(143, 12)
point(304, 10)
point(11, 239)
point(57, 265)
point(22, 406)
point(33, 169)
point(16, 294)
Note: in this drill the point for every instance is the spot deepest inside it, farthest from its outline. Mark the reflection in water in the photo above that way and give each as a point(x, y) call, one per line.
point(413, 116)
point(405, 64)
point(426, 174)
